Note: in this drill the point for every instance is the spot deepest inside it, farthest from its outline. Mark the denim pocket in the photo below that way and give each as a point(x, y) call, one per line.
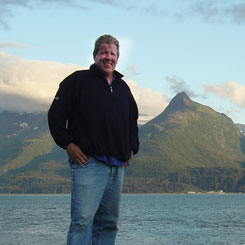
point(75, 165)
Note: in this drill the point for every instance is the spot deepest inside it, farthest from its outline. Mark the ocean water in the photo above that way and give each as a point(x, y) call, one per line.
point(145, 219)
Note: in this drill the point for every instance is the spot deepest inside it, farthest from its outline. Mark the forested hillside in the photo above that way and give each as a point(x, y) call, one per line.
point(188, 147)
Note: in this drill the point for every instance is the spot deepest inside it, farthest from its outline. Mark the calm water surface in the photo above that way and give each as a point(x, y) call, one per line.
point(145, 219)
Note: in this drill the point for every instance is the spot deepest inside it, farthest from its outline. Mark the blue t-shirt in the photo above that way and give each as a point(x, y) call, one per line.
point(110, 161)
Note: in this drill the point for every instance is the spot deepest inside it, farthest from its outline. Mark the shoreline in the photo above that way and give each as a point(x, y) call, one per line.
point(165, 193)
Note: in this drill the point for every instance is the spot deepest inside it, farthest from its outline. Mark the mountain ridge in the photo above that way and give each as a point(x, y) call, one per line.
point(187, 137)
point(187, 147)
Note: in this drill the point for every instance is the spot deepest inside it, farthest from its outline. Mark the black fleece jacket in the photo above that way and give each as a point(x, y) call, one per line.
point(99, 119)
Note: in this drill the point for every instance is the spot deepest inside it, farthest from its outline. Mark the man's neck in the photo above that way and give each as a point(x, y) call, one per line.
point(109, 79)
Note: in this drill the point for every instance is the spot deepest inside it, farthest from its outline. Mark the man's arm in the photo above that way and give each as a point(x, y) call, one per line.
point(133, 126)
point(58, 114)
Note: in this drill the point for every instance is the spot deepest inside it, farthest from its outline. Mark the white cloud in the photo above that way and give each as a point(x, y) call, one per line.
point(12, 45)
point(149, 101)
point(30, 81)
point(30, 85)
point(229, 90)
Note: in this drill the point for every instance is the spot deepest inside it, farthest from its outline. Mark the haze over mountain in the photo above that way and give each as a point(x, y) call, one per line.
point(188, 147)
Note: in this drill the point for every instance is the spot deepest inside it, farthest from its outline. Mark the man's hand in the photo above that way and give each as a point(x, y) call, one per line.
point(127, 163)
point(76, 154)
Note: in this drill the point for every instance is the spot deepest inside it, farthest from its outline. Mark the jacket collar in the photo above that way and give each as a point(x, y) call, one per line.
point(94, 68)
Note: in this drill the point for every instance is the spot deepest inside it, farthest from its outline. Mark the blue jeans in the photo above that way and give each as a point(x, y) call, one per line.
point(95, 200)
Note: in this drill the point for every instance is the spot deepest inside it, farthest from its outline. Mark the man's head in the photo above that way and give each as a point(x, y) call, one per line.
point(105, 39)
point(106, 53)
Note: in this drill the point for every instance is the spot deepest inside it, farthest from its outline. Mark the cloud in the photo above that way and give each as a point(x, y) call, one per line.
point(210, 11)
point(132, 70)
point(219, 11)
point(6, 10)
point(149, 101)
point(7, 6)
point(206, 9)
point(107, 2)
point(12, 45)
point(230, 90)
point(154, 10)
point(237, 12)
point(13, 102)
point(30, 85)
point(178, 85)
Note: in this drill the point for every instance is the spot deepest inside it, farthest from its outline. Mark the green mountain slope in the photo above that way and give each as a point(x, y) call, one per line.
point(188, 147)
point(187, 140)
point(29, 160)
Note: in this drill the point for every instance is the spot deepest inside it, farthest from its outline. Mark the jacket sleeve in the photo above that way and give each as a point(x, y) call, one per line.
point(133, 126)
point(58, 113)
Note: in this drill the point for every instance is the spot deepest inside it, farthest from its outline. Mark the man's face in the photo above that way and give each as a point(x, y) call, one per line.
point(106, 59)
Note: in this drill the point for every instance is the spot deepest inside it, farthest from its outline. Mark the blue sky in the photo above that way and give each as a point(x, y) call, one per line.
point(167, 47)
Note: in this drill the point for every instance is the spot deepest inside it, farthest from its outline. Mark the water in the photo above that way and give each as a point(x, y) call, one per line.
point(145, 219)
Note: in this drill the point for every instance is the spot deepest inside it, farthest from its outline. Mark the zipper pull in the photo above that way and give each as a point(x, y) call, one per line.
point(111, 89)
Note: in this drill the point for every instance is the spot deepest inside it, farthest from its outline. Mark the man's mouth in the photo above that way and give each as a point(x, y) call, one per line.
point(107, 64)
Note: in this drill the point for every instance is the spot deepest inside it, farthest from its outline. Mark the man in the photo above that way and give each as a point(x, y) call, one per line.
point(94, 117)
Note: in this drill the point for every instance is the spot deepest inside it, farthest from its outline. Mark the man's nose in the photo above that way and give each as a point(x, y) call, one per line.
point(108, 56)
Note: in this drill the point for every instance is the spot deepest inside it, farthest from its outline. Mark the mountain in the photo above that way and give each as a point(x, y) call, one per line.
point(188, 147)
point(15, 130)
point(29, 160)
